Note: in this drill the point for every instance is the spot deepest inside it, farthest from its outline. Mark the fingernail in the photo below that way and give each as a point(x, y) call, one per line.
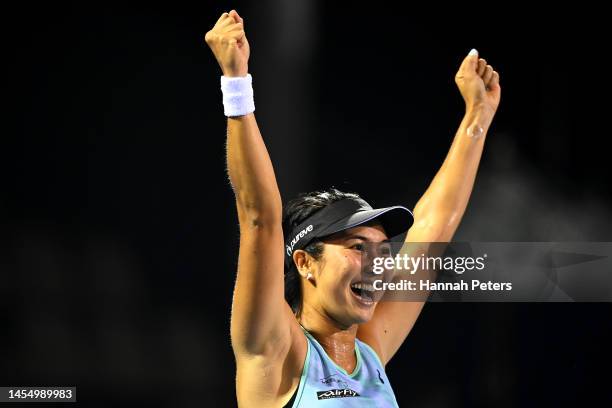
point(473, 52)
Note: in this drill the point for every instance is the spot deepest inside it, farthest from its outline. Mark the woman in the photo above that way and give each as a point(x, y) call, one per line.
point(327, 341)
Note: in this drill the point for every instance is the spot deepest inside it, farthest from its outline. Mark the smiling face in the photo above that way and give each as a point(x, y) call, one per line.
point(339, 289)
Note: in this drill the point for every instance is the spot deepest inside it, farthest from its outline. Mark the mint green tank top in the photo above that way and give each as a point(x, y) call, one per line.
point(324, 384)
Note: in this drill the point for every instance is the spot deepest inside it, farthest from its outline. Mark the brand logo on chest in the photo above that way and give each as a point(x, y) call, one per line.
point(337, 393)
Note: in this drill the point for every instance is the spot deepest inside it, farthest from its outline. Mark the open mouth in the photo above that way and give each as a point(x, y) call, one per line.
point(363, 291)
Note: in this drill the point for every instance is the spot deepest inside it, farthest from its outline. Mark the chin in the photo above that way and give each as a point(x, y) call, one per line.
point(361, 314)
point(366, 317)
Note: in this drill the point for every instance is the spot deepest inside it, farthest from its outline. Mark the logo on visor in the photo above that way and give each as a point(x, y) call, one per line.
point(298, 236)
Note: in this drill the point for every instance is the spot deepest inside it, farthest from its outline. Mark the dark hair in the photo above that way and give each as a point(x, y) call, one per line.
point(294, 213)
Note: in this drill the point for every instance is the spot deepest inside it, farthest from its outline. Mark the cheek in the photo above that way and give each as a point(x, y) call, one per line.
point(355, 260)
point(340, 269)
point(351, 262)
point(347, 262)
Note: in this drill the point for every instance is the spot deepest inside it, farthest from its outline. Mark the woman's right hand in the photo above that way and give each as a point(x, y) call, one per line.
point(229, 44)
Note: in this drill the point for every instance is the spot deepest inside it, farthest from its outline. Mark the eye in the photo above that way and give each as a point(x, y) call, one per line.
point(359, 247)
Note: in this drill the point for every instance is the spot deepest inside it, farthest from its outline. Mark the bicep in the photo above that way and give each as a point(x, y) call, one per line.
point(394, 319)
point(259, 311)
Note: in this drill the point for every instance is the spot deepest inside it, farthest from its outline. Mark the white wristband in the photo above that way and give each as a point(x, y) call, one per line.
point(237, 95)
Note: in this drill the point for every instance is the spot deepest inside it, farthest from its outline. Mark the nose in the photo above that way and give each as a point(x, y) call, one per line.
point(374, 250)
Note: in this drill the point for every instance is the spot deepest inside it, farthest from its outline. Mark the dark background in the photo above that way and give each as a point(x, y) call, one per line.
point(119, 234)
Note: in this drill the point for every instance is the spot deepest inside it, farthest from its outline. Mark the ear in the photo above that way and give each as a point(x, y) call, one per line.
point(303, 262)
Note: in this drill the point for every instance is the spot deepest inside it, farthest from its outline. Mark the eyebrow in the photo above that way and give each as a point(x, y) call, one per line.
point(361, 237)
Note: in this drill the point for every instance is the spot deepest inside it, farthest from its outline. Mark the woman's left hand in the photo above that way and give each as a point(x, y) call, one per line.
point(478, 84)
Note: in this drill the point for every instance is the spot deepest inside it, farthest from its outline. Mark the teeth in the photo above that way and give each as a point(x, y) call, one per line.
point(363, 286)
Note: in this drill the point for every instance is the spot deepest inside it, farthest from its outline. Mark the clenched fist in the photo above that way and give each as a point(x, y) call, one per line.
point(478, 83)
point(229, 44)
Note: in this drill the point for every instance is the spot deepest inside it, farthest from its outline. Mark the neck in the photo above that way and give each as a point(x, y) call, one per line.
point(337, 340)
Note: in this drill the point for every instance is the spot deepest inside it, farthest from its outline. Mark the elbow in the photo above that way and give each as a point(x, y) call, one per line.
point(260, 202)
point(435, 226)
point(259, 214)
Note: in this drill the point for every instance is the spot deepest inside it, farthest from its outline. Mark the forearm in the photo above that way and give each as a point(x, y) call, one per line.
point(443, 204)
point(437, 216)
point(251, 173)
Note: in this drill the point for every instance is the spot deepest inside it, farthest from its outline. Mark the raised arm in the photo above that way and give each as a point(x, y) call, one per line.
point(259, 311)
point(438, 213)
